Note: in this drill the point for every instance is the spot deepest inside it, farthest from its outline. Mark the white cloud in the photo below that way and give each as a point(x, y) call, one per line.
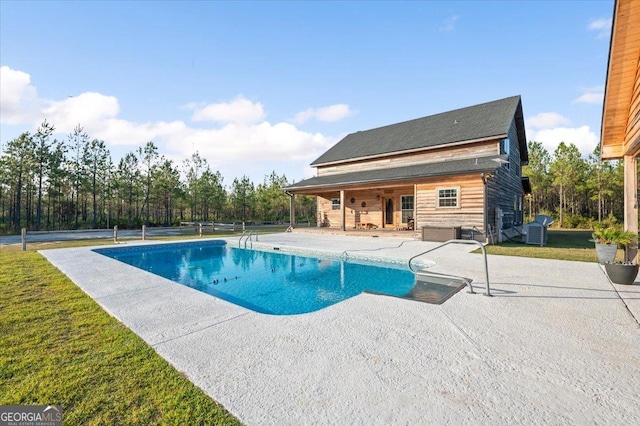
point(326, 114)
point(582, 137)
point(589, 98)
point(546, 120)
point(599, 24)
point(247, 143)
point(18, 97)
point(550, 128)
point(449, 24)
point(239, 110)
point(593, 89)
point(238, 138)
point(602, 26)
point(118, 132)
point(590, 95)
point(86, 109)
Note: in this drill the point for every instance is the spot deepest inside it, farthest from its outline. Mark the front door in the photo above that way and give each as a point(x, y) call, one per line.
point(388, 211)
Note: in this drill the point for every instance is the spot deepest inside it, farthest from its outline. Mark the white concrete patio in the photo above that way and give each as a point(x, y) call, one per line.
point(558, 343)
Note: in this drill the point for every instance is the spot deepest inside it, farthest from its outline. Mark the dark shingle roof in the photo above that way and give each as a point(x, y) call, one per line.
point(446, 168)
point(465, 124)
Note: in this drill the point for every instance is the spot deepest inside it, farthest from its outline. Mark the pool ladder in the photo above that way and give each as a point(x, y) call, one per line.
point(248, 239)
point(467, 281)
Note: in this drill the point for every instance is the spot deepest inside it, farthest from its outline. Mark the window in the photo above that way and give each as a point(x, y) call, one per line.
point(505, 148)
point(406, 204)
point(447, 197)
point(335, 204)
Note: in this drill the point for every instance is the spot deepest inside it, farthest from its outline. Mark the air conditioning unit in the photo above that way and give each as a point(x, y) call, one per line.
point(536, 233)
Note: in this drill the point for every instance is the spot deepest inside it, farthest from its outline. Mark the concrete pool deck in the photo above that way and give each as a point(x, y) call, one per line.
point(558, 343)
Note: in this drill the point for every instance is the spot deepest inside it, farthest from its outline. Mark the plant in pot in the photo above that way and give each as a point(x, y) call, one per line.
point(623, 272)
point(607, 240)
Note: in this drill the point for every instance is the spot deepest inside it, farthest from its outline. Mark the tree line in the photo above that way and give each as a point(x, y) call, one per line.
point(577, 192)
point(51, 184)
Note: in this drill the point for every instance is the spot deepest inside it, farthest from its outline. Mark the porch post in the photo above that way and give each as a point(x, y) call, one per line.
point(342, 211)
point(631, 201)
point(485, 208)
point(415, 207)
point(292, 212)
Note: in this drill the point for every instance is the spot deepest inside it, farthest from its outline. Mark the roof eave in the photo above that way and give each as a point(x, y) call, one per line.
point(618, 131)
point(329, 186)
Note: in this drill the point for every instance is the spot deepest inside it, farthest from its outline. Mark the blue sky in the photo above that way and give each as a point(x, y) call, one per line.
point(262, 86)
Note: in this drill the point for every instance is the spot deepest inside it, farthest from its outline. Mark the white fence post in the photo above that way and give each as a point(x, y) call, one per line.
point(24, 239)
point(144, 232)
point(115, 234)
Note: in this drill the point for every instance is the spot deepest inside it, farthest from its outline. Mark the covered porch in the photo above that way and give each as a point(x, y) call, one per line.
point(385, 207)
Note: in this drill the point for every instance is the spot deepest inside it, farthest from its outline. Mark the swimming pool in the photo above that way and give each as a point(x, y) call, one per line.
point(269, 282)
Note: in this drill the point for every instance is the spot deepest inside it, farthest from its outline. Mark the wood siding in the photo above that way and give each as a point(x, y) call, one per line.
point(504, 189)
point(470, 212)
point(473, 150)
point(632, 137)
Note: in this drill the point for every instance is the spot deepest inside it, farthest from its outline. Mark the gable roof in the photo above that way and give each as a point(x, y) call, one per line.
point(417, 171)
point(478, 122)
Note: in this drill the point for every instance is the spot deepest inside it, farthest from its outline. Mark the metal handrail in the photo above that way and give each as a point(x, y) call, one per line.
point(248, 239)
point(484, 253)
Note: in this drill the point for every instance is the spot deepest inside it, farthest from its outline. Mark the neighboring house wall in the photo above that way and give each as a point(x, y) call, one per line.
point(468, 150)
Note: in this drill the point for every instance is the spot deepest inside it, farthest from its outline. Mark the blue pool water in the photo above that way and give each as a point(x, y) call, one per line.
point(267, 282)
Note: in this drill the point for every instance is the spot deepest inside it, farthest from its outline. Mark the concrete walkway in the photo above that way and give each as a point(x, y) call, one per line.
point(558, 343)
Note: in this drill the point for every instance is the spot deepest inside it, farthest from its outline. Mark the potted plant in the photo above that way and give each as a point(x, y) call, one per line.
point(607, 240)
point(624, 272)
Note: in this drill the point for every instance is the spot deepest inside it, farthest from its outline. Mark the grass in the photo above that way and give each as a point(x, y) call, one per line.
point(57, 346)
point(562, 244)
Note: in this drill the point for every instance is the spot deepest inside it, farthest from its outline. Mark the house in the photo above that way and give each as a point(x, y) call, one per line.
point(459, 169)
point(620, 132)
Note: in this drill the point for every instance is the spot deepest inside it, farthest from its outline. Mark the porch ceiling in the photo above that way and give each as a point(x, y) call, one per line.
point(395, 176)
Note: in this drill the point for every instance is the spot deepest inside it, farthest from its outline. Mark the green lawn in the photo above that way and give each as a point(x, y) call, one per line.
point(562, 244)
point(57, 346)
